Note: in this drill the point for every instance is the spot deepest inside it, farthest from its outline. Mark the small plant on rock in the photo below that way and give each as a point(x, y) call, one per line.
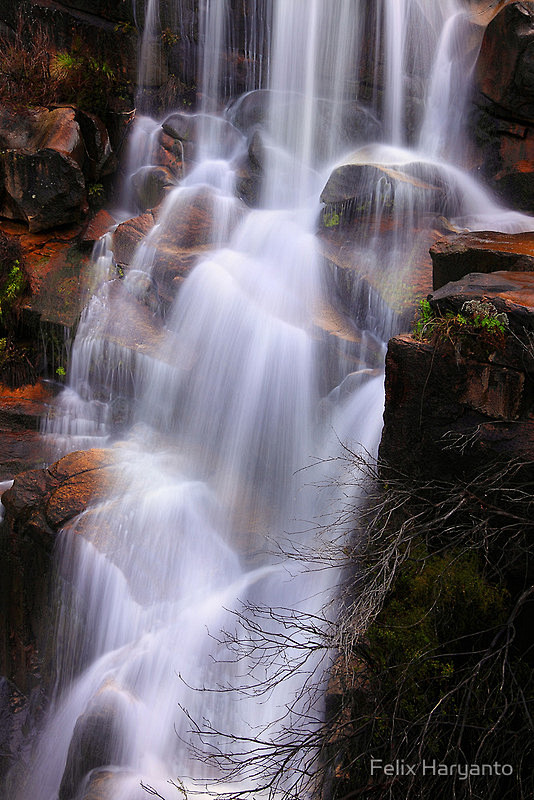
point(477, 322)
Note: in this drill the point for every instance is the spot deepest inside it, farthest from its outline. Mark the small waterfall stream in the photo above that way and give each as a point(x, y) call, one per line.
point(227, 409)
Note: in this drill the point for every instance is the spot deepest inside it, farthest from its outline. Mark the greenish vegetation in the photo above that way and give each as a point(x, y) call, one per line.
point(16, 358)
point(475, 319)
point(435, 650)
point(96, 195)
point(34, 73)
point(13, 286)
point(13, 281)
point(331, 220)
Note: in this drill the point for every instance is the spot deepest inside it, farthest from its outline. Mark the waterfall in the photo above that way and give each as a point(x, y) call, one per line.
point(227, 406)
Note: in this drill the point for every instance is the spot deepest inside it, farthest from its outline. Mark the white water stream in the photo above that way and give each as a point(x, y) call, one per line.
point(227, 412)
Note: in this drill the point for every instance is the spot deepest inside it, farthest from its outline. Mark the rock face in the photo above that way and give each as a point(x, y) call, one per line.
point(21, 411)
point(95, 742)
point(378, 178)
point(46, 160)
point(38, 504)
point(187, 229)
point(468, 389)
point(453, 257)
point(504, 104)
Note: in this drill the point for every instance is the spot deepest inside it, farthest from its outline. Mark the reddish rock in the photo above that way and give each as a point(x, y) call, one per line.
point(504, 104)
point(505, 66)
point(472, 389)
point(190, 222)
point(21, 411)
point(38, 503)
point(45, 189)
point(62, 491)
point(171, 154)
point(58, 272)
point(128, 235)
point(171, 267)
point(76, 493)
point(98, 225)
point(510, 292)
point(59, 130)
point(453, 257)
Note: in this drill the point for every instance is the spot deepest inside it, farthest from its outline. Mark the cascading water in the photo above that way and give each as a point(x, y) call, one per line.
point(225, 410)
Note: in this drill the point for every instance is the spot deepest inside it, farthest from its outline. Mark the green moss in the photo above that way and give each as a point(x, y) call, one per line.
point(436, 599)
point(13, 288)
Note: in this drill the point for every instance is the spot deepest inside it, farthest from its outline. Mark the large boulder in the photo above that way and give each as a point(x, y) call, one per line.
point(505, 66)
point(151, 185)
point(47, 159)
point(37, 504)
point(128, 235)
point(194, 129)
point(503, 118)
point(97, 740)
point(383, 180)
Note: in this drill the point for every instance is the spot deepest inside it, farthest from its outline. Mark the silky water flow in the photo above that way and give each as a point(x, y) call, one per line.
point(228, 407)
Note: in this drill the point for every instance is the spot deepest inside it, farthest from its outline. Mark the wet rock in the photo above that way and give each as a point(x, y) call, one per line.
point(197, 218)
point(150, 185)
point(187, 229)
point(97, 226)
point(190, 223)
point(128, 235)
point(471, 390)
point(98, 738)
point(45, 189)
point(59, 130)
point(505, 66)
point(133, 330)
point(511, 293)
point(59, 271)
point(250, 110)
point(37, 504)
point(503, 116)
point(99, 157)
point(76, 493)
point(171, 266)
point(453, 257)
point(101, 785)
point(43, 182)
point(171, 155)
point(109, 785)
point(380, 178)
point(189, 128)
point(376, 297)
point(357, 124)
point(86, 473)
point(48, 158)
point(251, 171)
point(21, 411)
point(181, 126)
